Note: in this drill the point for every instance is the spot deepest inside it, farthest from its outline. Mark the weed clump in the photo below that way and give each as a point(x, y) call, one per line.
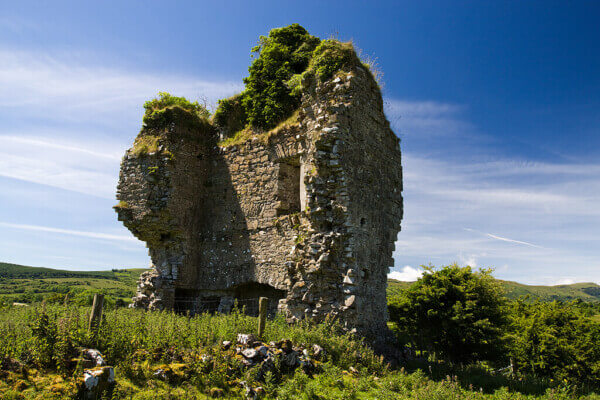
point(331, 56)
point(166, 109)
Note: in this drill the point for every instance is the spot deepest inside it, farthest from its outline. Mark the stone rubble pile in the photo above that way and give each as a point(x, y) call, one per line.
point(253, 352)
point(98, 378)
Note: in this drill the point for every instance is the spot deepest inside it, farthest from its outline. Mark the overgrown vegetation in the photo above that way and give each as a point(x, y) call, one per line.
point(554, 347)
point(284, 52)
point(36, 346)
point(285, 60)
point(166, 109)
point(454, 315)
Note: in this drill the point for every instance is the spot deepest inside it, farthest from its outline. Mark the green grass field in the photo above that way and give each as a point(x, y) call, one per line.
point(19, 283)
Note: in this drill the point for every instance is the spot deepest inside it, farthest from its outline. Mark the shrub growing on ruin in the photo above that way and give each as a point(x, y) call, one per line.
point(167, 108)
point(230, 115)
point(331, 56)
point(287, 58)
point(285, 52)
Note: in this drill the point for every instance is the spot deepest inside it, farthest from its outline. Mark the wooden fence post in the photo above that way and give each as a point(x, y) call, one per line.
point(96, 314)
point(262, 315)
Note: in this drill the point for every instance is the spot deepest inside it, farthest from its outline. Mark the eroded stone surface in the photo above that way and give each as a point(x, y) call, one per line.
point(306, 215)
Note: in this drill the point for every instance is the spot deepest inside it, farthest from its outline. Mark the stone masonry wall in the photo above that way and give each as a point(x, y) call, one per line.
point(306, 214)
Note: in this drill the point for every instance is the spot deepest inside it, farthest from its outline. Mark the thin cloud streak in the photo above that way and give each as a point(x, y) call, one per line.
point(513, 241)
point(425, 118)
point(58, 146)
point(92, 235)
point(504, 239)
point(79, 98)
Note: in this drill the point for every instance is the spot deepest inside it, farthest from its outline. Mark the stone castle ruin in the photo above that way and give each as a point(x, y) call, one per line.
point(305, 213)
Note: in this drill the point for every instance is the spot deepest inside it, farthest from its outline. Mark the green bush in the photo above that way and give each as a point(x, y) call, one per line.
point(556, 341)
point(453, 312)
point(331, 56)
point(231, 115)
point(285, 59)
point(285, 52)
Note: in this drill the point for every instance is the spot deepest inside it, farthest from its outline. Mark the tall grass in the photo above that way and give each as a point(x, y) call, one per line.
point(44, 337)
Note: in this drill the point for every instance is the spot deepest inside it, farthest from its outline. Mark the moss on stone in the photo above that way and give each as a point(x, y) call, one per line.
point(144, 145)
point(165, 100)
point(121, 204)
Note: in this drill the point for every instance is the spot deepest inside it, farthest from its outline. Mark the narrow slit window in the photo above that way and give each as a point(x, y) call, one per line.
point(288, 186)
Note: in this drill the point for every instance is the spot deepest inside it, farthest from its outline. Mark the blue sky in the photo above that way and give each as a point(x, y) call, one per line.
point(496, 104)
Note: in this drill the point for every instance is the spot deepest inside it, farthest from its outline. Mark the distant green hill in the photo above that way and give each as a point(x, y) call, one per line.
point(584, 291)
point(16, 271)
point(22, 283)
point(19, 283)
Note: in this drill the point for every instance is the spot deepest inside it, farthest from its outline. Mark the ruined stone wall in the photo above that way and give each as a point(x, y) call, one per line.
point(306, 214)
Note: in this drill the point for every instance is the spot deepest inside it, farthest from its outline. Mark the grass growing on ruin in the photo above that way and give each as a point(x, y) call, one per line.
point(144, 145)
point(121, 204)
point(166, 100)
point(248, 133)
point(35, 342)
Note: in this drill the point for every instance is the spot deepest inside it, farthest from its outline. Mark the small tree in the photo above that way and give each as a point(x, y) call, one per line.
point(457, 314)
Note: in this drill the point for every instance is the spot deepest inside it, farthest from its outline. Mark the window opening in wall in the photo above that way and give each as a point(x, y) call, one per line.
point(288, 186)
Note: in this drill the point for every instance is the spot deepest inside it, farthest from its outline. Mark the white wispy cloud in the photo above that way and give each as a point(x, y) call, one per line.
point(92, 104)
point(547, 213)
point(92, 235)
point(431, 118)
point(7, 140)
point(67, 88)
point(60, 164)
point(532, 218)
point(407, 274)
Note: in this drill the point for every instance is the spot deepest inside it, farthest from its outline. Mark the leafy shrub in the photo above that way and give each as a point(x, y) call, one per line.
point(286, 58)
point(285, 52)
point(165, 100)
point(555, 340)
point(454, 312)
point(231, 115)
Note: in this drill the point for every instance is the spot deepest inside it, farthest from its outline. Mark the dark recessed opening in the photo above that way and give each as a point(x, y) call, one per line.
point(363, 222)
point(247, 295)
point(165, 236)
point(288, 186)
